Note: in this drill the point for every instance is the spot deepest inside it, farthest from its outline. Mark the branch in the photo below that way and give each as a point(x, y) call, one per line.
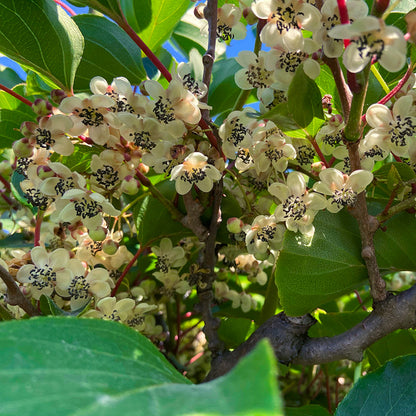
point(291, 343)
point(14, 295)
point(368, 225)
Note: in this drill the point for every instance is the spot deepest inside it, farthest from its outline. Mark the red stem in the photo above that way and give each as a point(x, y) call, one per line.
point(360, 301)
point(6, 198)
point(320, 154)
point(16, 95)
point(126, 270)
point(39, 219)
point(399, 86)
point(65, 7)
point(343, 16)
point(5, 183)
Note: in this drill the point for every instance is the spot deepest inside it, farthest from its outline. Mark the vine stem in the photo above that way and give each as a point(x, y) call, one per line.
point(38, 225)
point(65, 7)
point(126, 270)
point(5, 183)
point(16, 95)
point(319, 152)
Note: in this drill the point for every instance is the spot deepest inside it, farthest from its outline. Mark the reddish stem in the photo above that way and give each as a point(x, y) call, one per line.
point(343, 16)
point(331, 162)
point(319, 152)
point(5, 183)
point(398, 87)
point(360, 301)
point(39, 219)
point(6, 198)
point(65, 7)
point(397, 158)
point(16, 95)
point(126, 270)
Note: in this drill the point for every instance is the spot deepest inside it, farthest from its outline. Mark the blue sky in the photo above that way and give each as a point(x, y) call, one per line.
point(232, 50)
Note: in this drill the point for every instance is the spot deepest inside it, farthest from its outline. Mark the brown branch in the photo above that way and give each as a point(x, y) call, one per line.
point(192, 219)
point(210, 13)
point(208, 262)
point(291, 344)
point(14, 295)
point(342, 87)
point(368, 225)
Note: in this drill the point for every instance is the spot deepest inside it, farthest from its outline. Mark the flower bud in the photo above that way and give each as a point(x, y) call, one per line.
point(250, 17)
point(336, 120)
point(110, 247)
point(317, 168)
point(57, 96)
point(5, 168)
point(27, 128)
point(22, 148)
point(234, 225)
point(98, 234)
point(42, 107)
point(130, 185)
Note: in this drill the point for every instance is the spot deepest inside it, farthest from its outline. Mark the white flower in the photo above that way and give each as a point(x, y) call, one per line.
point(198, 88)
point(342, 189)
point(122, 93)
point(330, 18)
point(285, 18)
point(111, 309)
point(93, 114)
point(195, 170)
point(371, 38)
point(235, 132)
point(81, 286)
point(228, 23)
point(330, 135)
point(392, 130)
point(46, 269)
point(173, 104)
point(263, 234)
point(298, 206)
point(254, 73)
point(168, 256)
point(82, 205)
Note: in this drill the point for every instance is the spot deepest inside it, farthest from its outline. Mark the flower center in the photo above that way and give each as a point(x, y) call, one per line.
point(191, 85)
point(107, 177)
point(344, 197)
point(238, 132)
point(332, 139)
point(193, 175)
point(44, 139)
point(78, 289)
point(273, 154)
point(257, 76)
point(244, 156)
point(266, 233)
point(224, 32)
point(143, 139)
point(285, 18)
point(289, 61)
point(369, 44)
point(63, 185)
point(305, 155)
point(163, 110)
point(91, 117)
point(162, 263)
point(87, 209)
point(37, 199)
point(41, 278)
point(294, 207)
point(401, 130)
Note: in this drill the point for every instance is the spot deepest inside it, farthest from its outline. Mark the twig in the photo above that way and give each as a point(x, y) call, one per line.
point(210, 13)
point(14, 295)
point(16, 95)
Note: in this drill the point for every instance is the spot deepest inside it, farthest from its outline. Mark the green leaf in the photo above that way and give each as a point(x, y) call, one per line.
point(12, 114)
point(398, 343)
point(16, 240)
point(8, 77)
point(281, 117)
point(326, 267)
point(390, 390)
point(234, 331)
point(17, 190)
point(405, 171)
point(304, 98)
point(35, 85)
point(109, 52)
point(41, 36)
point(154, 20)
point(309, 410)
point(108, 7)
point(223, 91)
point(88, 367)
point(80, 159)
point(186, 37)
point(152, 212)
point(331, 324)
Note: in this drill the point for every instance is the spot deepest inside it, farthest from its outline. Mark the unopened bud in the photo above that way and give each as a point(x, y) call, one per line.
point(199, 11)
point(130, 185)
point(250, 17)
point(57, 96)
point(142, 88)
point(98, 234)
point(110, 247)
point(45, 172)
point(335, 120)
point(42, 107)
point(22, 148)
point(27, 128)
point(234, 225)
point(5, 168)
point(317, 168)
